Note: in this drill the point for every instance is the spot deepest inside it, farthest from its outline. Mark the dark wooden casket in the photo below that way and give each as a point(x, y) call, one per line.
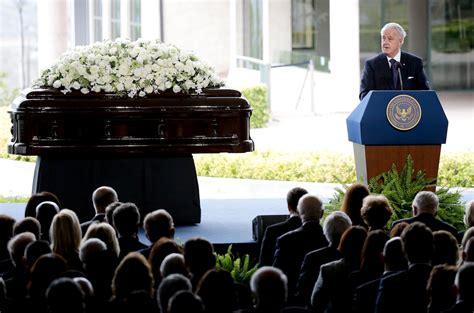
point(142, 147)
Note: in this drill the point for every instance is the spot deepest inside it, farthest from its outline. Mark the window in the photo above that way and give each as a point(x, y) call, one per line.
point(302, 23)
point(115, 19)
point(97, 20)
point(135, 19)
point(252, 16)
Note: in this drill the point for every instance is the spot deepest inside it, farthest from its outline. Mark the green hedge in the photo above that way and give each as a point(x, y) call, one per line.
point(257, 97)
point(456, 169)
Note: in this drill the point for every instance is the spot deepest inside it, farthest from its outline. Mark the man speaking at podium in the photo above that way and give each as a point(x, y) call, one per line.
point(383, 72)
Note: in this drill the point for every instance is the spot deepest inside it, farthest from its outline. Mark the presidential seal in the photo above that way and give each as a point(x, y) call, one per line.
point(403, 112)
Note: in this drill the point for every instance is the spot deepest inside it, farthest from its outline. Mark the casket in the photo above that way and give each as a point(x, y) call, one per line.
point(141, 147)
point(48, 122)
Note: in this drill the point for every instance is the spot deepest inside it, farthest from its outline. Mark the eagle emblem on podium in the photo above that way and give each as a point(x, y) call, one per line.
point(403, 112)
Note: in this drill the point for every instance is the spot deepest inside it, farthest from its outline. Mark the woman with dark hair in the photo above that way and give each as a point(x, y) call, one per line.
point(36, 199)
point(162, 248)
point(352, 202)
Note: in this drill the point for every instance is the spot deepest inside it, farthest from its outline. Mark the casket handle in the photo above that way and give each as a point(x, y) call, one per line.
point(108, 128)
point(161, 128)
point(54, 129)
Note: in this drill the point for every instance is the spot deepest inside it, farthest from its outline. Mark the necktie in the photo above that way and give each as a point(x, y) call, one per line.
point(394, 68)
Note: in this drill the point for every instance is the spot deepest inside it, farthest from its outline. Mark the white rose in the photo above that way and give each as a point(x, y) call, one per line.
point(57, 84)
point(84, 90)
point(149, 89)
point(76, 85)
point(176, 89)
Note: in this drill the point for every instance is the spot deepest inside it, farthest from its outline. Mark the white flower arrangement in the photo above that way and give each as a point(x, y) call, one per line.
point(137, 68)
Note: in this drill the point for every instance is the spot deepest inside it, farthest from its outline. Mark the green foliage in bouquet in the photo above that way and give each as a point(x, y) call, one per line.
point(257, 97)
point(400, 189)
point(240, 269)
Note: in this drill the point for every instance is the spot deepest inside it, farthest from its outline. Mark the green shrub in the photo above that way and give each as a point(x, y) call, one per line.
point(240, 270)
point(257, 97)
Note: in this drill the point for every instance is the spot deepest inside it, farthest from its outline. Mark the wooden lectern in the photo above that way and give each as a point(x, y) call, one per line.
point(386, 126)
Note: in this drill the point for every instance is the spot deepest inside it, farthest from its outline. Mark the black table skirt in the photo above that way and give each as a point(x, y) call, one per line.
point(150, 182)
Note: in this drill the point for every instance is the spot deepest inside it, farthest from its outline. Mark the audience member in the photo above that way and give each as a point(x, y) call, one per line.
point(37, 198)
point(468, 217)
point(169, 286)
point(425, 208)
point(397, 229)
point(352, 202)
point(334, 226)
point(6, 233)
point(440, 288)
point(267, 251)
point(332, 291)
point(292, 247)
point(101, 198)
point(467, 235)
point(376, 212)
point(159, 251)
point(157, 224)
point(173, 264)
point(28, 224)
point(45, 212)
point(33, 251)
point(109, 213)
point(65, 295)
point(464, 287)
point(217, 292)
point(199, 258)
point(87, 289)
point(468, 251)
point(445, 248)
point(65, 234)
point(126, 220)
point(365, 295)
point(107, 234)
point(406, 291)
point(269, 289)
point(185, 301)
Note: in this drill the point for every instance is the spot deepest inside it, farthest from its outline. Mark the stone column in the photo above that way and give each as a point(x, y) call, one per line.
point(419, 32)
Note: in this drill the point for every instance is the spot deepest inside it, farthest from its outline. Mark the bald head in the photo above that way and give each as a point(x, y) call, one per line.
point(310, 208)
point(102, 197)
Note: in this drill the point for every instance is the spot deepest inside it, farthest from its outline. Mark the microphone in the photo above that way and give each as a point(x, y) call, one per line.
point(399, 65)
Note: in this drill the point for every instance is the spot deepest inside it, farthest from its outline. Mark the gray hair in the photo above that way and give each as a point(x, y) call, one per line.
point(469, 214)
point(395, 26)
point(310, 208)
point(335, 225)
point(173, 264)
point(267, 282)
point(169, 286)
point(91, 247)
point(17, 246)
point(426, 201)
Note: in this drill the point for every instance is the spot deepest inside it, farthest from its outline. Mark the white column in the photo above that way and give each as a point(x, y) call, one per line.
point(125, 19)
point(266, 30)
point(106, 23)
point(232, 33)
point(53, 31)
point(150, 10)
point(91, 21)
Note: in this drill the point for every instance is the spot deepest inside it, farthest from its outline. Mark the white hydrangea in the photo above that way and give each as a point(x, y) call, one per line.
point(137, 68)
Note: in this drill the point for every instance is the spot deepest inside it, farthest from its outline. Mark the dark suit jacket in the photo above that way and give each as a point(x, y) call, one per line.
point(293, 246)
point(431, 222)
point(267, 251)
point(98, 218)
point(310, 271)
point(377, 74)
point(461, 307)
point(404, 291)
point(129, 244)
point(365, 295)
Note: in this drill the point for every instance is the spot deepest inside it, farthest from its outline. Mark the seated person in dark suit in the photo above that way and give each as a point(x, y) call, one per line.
point(292, 247)
point(464, 286)
point(126, 220)
point(272, 232)
point(101, 198)
point(334, 226)
point(157, 224)
point(382, 71)
point(406, 291)
point(425, 207)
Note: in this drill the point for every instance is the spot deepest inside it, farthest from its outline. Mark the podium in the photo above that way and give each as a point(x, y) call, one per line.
point(387, 126)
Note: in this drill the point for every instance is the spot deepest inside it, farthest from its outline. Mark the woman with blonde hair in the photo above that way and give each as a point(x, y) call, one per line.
point(106, 233)
point(65, 234)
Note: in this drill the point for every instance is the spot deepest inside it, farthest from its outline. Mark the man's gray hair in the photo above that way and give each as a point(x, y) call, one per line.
point(335, 225)
point(267, 282)
point(469, 214)
point(310, 208)
point(90, 248)
point(17, 245)
point(395, 26)
point(426, 202)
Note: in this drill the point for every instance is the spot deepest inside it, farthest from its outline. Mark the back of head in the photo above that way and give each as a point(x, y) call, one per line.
point(173, 264)
point(158, 224)
point(372, 251)
point(45, 212)
point(6, 229)
point(445, 248)
point(35, 199)
point(47, 268)
point(109, 212)
point(185, 301)
point(351, 244)
point(65, 233)
point(352, 202)
point(440, 287)
point(334, 226)
point(106, 233)
point(393, 256)
point(90, 249)
point(469, 214)
point(17, 246)
point(376, 211)
point(293, 196)
point(310, 208)
point(269, 286)
point(425, 202)
point(199, 255)
point(126, 219)
point(465, 282)
point(158, 253)
point(468, 251)
point(169, 286)
point(217, 291)
point(102, 197)
point(468, 234)
point(28, 224)
point(417, 243)
point(65, 295)
point(34, 250)
point(132, 274)
point(397, 230)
